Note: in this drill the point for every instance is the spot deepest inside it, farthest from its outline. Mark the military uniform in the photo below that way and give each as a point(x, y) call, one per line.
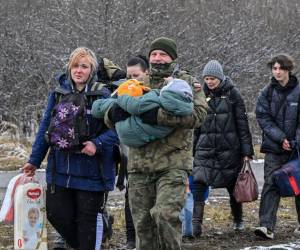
point(158, 174)
point(158, 171)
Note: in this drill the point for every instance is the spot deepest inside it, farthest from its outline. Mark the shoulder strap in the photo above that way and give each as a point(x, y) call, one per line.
point(281, 102)
point(59, 92)
point(96, 89)
point(62, 91)
point(270, 91)
point(109, 71)
point(113, 71)
point(228, 94)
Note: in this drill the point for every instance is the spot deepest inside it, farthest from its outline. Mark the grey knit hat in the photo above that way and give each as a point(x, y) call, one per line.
point(213, 68)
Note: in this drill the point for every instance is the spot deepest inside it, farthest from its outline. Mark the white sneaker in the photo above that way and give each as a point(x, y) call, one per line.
point(297, 230)
point(264, 232)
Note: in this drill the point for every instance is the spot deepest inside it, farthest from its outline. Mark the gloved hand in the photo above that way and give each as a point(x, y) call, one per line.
point(150, 116)
point(116, 113)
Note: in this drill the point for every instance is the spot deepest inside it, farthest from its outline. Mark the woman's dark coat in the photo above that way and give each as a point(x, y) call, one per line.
point(224, 138)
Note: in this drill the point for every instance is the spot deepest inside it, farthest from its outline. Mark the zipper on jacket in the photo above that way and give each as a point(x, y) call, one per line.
point(68, 181)
point(68, 170)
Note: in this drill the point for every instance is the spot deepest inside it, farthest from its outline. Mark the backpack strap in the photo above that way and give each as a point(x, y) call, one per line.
point(96, 89)
point(59, 92)
point(62, 91)
point(113, 71)
point(270, 91)
point(108, 71)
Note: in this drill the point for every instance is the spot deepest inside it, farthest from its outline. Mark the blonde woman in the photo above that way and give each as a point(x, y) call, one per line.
point(77, 177)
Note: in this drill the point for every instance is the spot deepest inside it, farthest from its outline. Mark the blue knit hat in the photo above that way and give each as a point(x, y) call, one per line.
point(213, 68)
point(179, 86)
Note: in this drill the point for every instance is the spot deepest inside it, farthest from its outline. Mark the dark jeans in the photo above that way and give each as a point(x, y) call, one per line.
point(75, 214)
point(270, 197)
point(130, 231)
point(199, 194)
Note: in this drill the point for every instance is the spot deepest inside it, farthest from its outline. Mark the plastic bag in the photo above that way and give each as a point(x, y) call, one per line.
point(7, 209)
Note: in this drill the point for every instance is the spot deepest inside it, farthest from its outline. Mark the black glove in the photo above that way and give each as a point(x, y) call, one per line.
point(120, 186)
point(150, 116)
point(293, 144)
point(116, 113)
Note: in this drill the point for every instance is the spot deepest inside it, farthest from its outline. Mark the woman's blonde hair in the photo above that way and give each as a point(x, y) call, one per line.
point(82, 52)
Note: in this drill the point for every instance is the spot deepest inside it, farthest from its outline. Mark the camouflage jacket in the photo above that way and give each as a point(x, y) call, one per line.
point(175, 150)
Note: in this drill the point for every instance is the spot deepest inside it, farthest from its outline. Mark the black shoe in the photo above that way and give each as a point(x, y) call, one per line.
point(238, 226)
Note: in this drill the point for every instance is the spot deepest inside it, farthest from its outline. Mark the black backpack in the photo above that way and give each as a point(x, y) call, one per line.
point(69, 126)
point(108, 73)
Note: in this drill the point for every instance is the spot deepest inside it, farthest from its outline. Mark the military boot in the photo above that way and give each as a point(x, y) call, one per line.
point(197, 220)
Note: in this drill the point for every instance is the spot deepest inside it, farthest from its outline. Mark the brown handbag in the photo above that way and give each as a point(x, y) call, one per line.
point(246, 188)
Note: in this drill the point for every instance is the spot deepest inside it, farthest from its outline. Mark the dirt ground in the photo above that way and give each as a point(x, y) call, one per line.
point(218, 232)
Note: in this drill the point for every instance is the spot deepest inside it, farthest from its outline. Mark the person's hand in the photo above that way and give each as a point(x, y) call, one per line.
point(286, 145)
point(150, 116)
point(89, 148)
point(116, 113)
point(246, 158)
point(29, 169)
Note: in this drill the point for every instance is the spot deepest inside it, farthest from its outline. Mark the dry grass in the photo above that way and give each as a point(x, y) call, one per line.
point(119, 221)
point(10, 163)
point(257, 153)
point(14, 153)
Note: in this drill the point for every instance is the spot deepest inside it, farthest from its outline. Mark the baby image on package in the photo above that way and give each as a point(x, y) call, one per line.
point(32, 228)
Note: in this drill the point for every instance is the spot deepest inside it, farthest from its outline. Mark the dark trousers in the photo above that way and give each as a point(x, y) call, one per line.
point(75, 214)
point(297, 203)
point(270, 197)
point(199, 194)
point(130, 231)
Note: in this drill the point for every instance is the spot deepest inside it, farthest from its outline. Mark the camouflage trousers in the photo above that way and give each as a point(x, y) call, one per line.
point(156, 200)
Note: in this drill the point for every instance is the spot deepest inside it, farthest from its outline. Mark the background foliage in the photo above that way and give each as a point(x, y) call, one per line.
point(37, 36)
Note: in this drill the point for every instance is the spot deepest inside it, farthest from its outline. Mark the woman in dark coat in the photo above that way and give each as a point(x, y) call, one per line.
point(222, 143)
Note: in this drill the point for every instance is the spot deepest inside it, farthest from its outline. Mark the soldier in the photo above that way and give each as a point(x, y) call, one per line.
point(158, 171)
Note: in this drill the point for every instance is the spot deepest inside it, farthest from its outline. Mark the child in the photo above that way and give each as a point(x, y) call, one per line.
point(186, 214)
point(175, 97)
point(32, 229)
